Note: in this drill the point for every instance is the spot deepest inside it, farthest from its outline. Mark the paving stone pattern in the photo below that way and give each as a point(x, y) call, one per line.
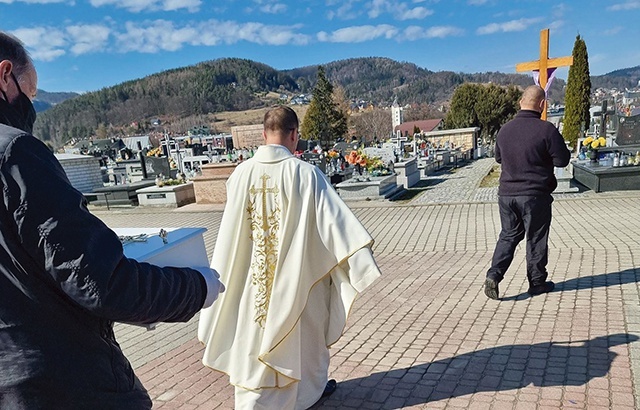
point(426, 336)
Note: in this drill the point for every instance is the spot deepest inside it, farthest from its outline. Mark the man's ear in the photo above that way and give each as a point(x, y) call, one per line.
point(5, 74)
point(542, 103)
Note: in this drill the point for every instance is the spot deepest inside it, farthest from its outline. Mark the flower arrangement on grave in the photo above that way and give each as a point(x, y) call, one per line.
point(162, 181)
point(154, 152)
point(591, 143)
point(374, 165)
point(332, 154)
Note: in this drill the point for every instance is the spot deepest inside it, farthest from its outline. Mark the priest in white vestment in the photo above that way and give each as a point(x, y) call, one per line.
point(293, 257)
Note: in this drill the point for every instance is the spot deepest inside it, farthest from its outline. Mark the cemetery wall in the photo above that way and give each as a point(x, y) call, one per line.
point(245, 136)
point(463, 138)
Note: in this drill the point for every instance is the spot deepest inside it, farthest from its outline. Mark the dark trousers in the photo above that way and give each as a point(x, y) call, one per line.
point(520, 216)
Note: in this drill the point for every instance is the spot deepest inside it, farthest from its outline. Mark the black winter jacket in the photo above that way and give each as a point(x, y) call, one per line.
point(63, 282)
point(528, 149)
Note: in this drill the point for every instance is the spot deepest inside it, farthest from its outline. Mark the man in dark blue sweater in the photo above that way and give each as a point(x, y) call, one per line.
point(528, 148)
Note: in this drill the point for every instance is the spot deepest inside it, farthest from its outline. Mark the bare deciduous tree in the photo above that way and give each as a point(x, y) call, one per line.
point(372, 124)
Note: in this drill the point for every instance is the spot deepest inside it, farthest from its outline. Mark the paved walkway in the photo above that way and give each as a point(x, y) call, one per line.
point(425, 335)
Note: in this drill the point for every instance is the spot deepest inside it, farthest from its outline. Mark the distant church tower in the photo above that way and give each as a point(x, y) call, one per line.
point(396, 114)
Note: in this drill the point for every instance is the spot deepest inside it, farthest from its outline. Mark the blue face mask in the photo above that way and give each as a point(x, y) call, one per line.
point(20, 112)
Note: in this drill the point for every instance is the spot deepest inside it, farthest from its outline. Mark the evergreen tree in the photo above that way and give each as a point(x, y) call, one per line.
point(485, 106)
point(578, 95)
point(323, 121)
point(462, 112)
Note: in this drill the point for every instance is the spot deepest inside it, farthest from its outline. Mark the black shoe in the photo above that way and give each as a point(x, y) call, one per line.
point(491, 288)
point(330, 388)
point(540, 289)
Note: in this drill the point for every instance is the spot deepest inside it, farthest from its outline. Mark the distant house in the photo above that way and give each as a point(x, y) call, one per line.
point(301, 99)
point(99, 147)
point(139, 141)
point(630, 97)
point(406, 128)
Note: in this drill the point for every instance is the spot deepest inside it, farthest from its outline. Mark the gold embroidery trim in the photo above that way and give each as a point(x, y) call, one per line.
point(264, 234)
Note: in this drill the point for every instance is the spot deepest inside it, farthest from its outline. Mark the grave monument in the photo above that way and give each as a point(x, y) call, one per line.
point(621, 173)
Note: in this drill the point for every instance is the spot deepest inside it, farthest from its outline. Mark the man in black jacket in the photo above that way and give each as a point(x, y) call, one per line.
point(528, 149)
point(64, 278)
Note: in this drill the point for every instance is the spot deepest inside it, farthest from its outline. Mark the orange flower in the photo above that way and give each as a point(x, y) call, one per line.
point(362, 162)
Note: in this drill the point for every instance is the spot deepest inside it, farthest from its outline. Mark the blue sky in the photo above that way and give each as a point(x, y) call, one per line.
point(87, 45)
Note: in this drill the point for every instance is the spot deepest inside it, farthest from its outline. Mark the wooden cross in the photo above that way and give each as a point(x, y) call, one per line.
point(544, 63)
point(264, 191)
point(604, 114)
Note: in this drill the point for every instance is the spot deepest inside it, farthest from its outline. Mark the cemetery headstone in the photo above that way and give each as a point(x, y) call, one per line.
point(342, 147)
point(315, 159)
point(386, 154)
point(628, 131)
point(156, 166)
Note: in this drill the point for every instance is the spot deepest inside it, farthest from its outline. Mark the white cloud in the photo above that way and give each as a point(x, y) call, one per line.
point(47, 43)
point(377, 7)
point(412, 33)
point(136, 6)
point(556, 24)
point(36, 1)
point(444, 31)
point(509, 26)
point(159, 35)
point(259, 33)
point(559, 10)
point(613, 31)
point(346, 11)
point(416, 13)
point(274, 8)
point(399, 10)
point(172, 5)
point(267, 6)
point(88, 38)
point(358, 34)
point(44, 44)
point(629, 5)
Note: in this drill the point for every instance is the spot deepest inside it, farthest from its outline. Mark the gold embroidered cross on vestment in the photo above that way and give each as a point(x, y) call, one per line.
point(264, 234)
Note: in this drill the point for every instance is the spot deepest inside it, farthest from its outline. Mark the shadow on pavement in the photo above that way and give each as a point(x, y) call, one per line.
point(489, 370)
point(589, 282)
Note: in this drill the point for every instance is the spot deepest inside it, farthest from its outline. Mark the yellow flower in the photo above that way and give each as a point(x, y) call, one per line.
point(602, 141)
point(595, 144)
point(587, 141)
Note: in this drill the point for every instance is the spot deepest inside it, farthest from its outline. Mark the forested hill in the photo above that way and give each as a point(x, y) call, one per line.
point(235, 85)
point(620, 79)
point(45, 100)
point(381, 80)
point(212, 86)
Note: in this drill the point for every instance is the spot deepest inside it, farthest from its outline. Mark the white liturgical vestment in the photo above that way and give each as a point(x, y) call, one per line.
point(293, 257)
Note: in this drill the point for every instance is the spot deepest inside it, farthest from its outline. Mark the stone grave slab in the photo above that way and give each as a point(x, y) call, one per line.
point(383, 187)
point(408, 172)
point(169, 196)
